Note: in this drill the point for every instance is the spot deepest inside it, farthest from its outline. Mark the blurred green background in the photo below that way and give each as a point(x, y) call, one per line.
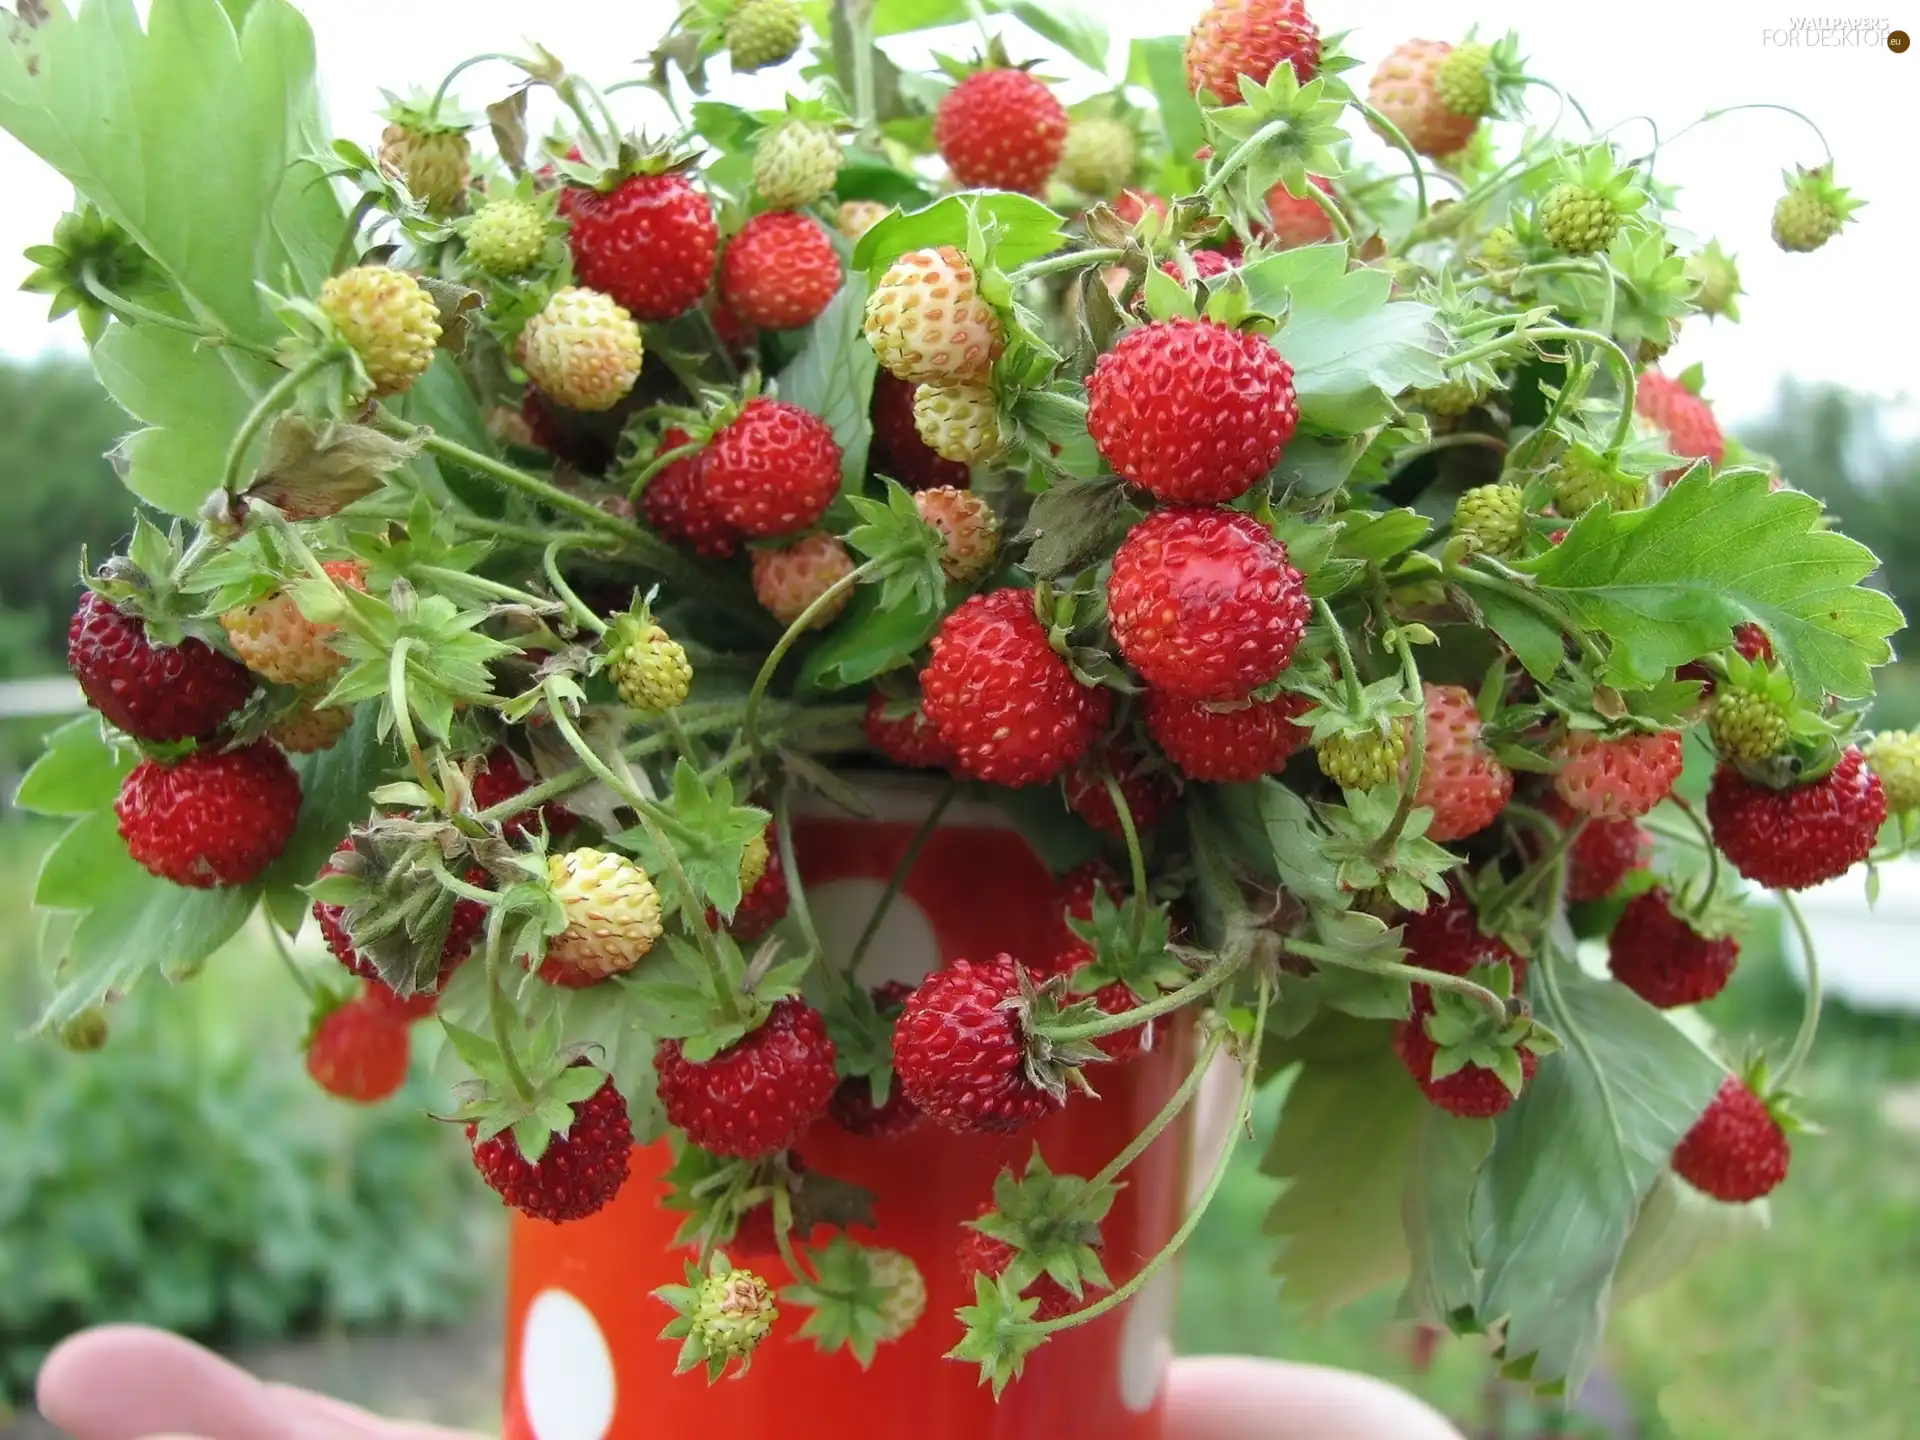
point(190, 1175)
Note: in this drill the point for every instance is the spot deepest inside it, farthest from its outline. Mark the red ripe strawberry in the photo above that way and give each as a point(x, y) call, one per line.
point(852, 1105)
point(1230, 744)
point(1132, 206)
point(757, 1096)
point(1207, 265)
point(1000, 698)
point(1472, 1091)
point(1000, 130)
point(1688, 420)
point(153, 692)
point(360, 1051)
point(1298, 219)
point(649, 243)
point(462, 929)
point(961, 1055)
point(1736, 1152)
point(498, 780)
point(773, 469)
point(1405, 90)
point(580, 1171)
point(1619, 779)
point(1147, 790)
point(1796, 838)
point(1752, 643)
point(909, 740)
point(1078, 887)
point(676, 504)
point(1204, 605)
point(779, 271)
point(1664, 960)
point(984, 1255)
point(1460, 779)
point(214, 818)
point(898, 451)
point(1606, 852)
point(1446, 937)
point(763, 906)
point(1252, 38)
point(1192, 411)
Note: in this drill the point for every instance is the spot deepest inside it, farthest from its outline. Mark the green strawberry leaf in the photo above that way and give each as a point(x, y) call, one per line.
point(1536, 642)
point(1160, 65)
point(1072, 29)
point(902, 17)
point(712, 837)
point(833, 377)
point(1023, 230)
point(333, 798)
point(1448, 1153)
point(869, 640)
point(1669, 583)
point(78, 773)
point(190, 401)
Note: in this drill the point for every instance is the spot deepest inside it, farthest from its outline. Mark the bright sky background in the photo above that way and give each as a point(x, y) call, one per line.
point(1849, 313)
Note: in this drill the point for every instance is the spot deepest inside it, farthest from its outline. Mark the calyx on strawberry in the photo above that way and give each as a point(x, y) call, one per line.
point(1040, 1238)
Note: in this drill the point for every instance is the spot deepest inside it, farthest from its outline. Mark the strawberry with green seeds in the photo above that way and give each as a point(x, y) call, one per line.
point(583, 350)
point(426, 149)
point(648, 666)
point(509, 235)
point(1405, 89)
point(1101, 154)
point(612, 914)
point(960, 422)
point(721, 1316)
point(1895, 758)
point(796, 162)
point(762, 33)
point(1490, 520)
point(1812, 211)
point(1715, 272)
point(387, 318)
point(1583, 212)
point(969, 531)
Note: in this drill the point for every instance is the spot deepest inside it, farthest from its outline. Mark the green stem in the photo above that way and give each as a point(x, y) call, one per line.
point(899, 876)
point(1331, 208)
point(1511, 587)
point(277, 397)
point(1239, 156)
point(1416, 695)
point(1136, 857)
point(499, 1009)
point(1399, 142)
point(1207, 981)
point(1241, 1114)
point(865, 104)
point(550, 789)
point(451, 883)
point(1525, 883)
point(1810, 1016)
point(1072, 260)
point(479, 584)
point(1394, 970)
point(822, 604)
point(1713, 855)
point(782, 1203)
point(1349, 673)
point(1177, 1102)
point(659, 463)
point(576, 607)
point(350, 231)
point(130, 310)
point(1405, 458)
point(797, 904)
point(440, 95)
point(1623, 370)
point(403, 718)
point(285, 952)
point(1756, 105)
point(1529, 449)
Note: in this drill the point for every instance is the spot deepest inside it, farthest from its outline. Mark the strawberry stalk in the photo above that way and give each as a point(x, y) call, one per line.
point(1342, 226)
point(133, 311)
point(908, 858)
point(797, 904)
point(1238, 157)
point(661, 462)
point(1417, 741)
point(1810, 1016)
point(500, 1008)
point(821, 605)
point(446, 85)
point(1205, 983)
point(1728, 110)
point(1176, 1103)
point(403, 720)
point(1395, 970)
point(1072, 260)
point(269, 404)
point(576, 607)
point(1136, 860)
point(285, 952)
point(1713, 855)
point(1399, 142)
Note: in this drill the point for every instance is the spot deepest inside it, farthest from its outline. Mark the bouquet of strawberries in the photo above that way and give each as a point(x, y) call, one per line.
point(1263, 488)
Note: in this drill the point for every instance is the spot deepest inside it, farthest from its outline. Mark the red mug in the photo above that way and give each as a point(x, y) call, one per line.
point(584, 1361)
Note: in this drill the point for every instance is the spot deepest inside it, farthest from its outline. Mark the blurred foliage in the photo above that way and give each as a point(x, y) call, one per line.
point(190, 1175)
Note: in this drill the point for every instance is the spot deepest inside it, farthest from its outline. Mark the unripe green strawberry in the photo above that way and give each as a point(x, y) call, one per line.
point(1577, 219)
point(753, 862)
point(927, 321)
point(649, 668)
point(1812, 211)
point(1584, 478)
point(1100, 156)
point(388, 319)
point(434, 164)
point(857, 217)
point(1454, 396)
point(1745, 725)
point(1360, 760)
point(507, 237)
point(906, 1291)
point(1719, 281)
point(968, 525)
point(1894, 755)
point(1461, 82)
point(1490, 519)
point(613, 917)
point(760, 33)
point(796, 163)
point(959, 422)
point(1500, 249)
point(583, 351)
point(734, 1313)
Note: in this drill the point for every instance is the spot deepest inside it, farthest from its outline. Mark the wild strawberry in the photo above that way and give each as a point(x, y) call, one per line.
point(1578, 219)
point(1462, 81)
point(1132, 206)
point(907, 738)
point(1747, 724)
point(1606, 852)
point(613, 917)
point(760, 33)
point(1687, 420)
point(463, 928)
point(773, 469)
point(389, 321)
point(498, 780)
point(906, 1292)
point(1405, 89)
point(1451, 398)
point(583, 350)
point(1473, 1091)
point(852, 1105)
point(577, 1174)
point(212, 818)
point(1812, 212)
point(308, 729)
point(1148, 791)
point(1362, 759)
point(276, 641)
point(1583, 478)
point(757, 1096)
point(1000, 698)
point(649, 243)
point(1659, 956)
point(1298, 219)
point(734, 1311)
point(780, 271)
point(856, 217)
point(1072, 952)
point(1460, 780)
point(1001, 129)
point(435, 163)
point(1618, 779)
point(1252, 38)
point(1737, 1151)
point(898, 451)
point(789, 580)
point(1490, 519)
point(754, 859)
point(1895, 758)
point(359, 1052)
point(506, 237)
point(961, 1054)
point(1192, 411)
point(1227, 744)
point(1207, 265)
point(983, 1255)
point(1101, 155)
point(967, 525)
point(648, 667)
point(795, 164)
point(927, 321)
point(1204, 605)
point(1799, 837)
point(676, 503)
point(960, 422)
point(1719, 280)
point(763, 905)
point(153, 692)
point(85, 1034)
